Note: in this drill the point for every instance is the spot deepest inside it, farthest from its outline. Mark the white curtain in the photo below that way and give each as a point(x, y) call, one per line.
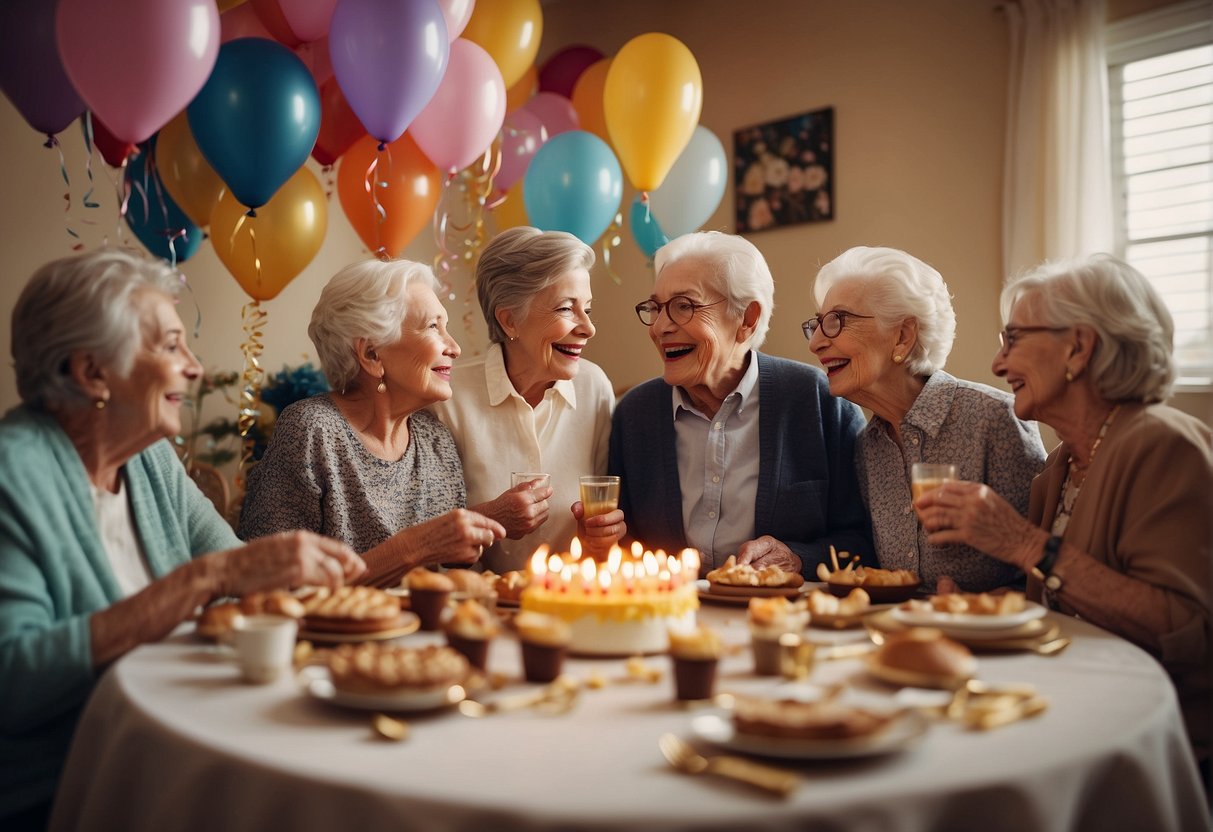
point(1056, 179)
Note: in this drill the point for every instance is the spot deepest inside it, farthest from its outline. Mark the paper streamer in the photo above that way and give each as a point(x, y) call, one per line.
point(252, 318)
point(610, 241)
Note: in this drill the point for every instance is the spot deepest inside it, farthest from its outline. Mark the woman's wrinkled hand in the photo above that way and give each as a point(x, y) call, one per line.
point(287, 560)
point(520, 511)
point(975, 515)
point(600, 532)
point(767, 551)
point(459, 536)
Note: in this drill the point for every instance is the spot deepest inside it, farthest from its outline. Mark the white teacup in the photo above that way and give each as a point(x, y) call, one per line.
point(265, 645)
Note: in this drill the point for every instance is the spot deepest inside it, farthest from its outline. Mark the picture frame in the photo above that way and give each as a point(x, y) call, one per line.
point(783, 172)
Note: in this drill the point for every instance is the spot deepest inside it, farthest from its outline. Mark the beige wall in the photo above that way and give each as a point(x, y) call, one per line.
point(918, 91)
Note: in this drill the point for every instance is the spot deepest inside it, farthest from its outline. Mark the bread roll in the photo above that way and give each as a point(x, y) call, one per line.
point(218, 620)
point(927, 651)
point(465, 580)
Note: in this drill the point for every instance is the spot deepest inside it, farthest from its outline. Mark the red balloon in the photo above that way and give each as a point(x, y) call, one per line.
point(339, 127)
point(275, 22)
point(241, 22)
point(113, 150)
point(560, 72)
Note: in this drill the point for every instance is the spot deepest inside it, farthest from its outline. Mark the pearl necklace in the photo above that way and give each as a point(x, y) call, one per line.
point(1069, 494)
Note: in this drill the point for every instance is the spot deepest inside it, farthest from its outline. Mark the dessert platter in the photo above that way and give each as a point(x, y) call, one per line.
point(824, 730)
point(734, 582)
point(884, 586)
point(352, 614)
point(832, 612)
point(961, 611)
point(622, 606)
point(378, 677)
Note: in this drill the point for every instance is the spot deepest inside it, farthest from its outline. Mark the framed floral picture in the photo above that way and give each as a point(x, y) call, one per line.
point(783, 172)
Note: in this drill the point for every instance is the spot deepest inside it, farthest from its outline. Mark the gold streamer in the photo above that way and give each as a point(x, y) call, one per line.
point(253, 319)
point(610, 241)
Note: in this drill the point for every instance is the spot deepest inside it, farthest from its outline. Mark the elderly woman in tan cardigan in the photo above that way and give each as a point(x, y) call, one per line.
point(1118, 529)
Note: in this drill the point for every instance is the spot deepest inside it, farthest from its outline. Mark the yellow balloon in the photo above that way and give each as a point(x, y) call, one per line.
point(224, 5)
point(512, 212)
point(651, 101)
point(287, 230)
point(587, 99)
point(510, 31)
point(522, 92)
point(187, 176)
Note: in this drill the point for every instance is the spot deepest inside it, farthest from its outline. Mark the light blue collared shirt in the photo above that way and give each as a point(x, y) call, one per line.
point(718, 468)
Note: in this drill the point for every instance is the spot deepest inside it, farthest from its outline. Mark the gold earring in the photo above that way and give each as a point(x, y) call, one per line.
point(99, 404)
point(1069, 376)
point(382, 388)
point(897, 359)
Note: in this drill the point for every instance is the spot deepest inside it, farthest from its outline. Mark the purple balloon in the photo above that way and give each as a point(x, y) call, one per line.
point(31, 72)
point(388, 58)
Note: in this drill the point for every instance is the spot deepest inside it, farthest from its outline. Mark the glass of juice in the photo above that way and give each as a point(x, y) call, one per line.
point(599, 495)
point(925, 476)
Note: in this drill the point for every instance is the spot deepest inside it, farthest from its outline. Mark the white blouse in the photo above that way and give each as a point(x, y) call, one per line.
point(116, 527)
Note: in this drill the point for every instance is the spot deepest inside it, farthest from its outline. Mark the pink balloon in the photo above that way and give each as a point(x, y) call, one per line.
point(555, 111)
point(465, 113)
point(308, 19)
point(560, 72)
point(521, 135)
point(138, 63)
point(315, 56)
point(457, 14)
point(241, 22)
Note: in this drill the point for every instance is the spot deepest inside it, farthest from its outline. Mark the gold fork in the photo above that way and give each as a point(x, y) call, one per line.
point(686, 759)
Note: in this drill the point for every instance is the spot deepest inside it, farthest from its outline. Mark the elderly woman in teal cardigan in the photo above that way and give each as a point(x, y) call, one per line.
point(731, 451)
point(105, 543)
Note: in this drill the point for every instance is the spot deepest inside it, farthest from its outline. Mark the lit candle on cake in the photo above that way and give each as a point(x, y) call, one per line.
point(539, 566)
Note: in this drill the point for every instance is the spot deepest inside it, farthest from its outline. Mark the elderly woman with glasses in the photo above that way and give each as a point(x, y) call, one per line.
point(1118, 530)
point(532, 403)
point(105, 542)
point(884, 333)
point(732, 451)
point(366, 464)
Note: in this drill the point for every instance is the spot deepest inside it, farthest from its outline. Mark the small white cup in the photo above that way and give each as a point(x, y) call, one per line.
point(517, 478)
point(265, 645)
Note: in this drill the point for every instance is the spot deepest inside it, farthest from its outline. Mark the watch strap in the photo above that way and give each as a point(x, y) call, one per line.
point(1043, 570)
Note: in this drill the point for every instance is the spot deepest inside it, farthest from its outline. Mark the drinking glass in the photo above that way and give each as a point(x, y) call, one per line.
point(599, 495)
point(925, 476)
point(517, 478)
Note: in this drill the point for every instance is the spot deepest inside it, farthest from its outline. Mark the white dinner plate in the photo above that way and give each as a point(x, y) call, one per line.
point(317, 684)
point(740, 595)
point(898, 735)
point(963, 621)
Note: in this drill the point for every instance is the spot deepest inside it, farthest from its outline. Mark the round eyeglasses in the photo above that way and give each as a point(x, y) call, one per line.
point(1008, 336)
point(680, 308)
point(831, 323)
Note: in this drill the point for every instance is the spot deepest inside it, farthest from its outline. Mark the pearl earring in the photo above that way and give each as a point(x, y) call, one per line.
point(1069, 376)
point(382, 388)
point(99, 404)
point(897, 359)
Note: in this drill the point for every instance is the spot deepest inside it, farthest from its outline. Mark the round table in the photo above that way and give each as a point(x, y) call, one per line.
point(172, 739)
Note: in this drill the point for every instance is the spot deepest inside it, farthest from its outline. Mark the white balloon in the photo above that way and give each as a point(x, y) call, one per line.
point(694, 186)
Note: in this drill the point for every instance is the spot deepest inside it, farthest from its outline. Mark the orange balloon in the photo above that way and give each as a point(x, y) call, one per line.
point(224, 5)
point(510, 31)
point(408, 187)
point(512, 212)
point(522, 92)
point(587, 99)
point(266, 252)
point(187, 176)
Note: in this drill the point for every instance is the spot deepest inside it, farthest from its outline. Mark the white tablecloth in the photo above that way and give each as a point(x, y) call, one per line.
point(171, 739)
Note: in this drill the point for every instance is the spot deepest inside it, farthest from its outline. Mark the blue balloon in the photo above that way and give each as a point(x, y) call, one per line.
point(645, 231)
point(574, 184)
point(256, 118)
point(153, 217)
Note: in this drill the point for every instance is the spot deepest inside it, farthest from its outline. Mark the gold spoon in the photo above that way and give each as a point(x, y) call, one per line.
point(686, 759)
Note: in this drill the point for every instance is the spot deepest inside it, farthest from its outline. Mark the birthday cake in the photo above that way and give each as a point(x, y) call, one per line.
point(614, 610)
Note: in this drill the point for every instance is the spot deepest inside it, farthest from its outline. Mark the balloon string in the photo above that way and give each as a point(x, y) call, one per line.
point(86, 200)
point(372, 184)
point(444, 258)
point(610, 242)
point(52, 141)
point(253, 322)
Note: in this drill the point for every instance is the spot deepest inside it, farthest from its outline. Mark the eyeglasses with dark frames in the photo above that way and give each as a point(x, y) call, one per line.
point(831, 323)
point(680, 308)
point(1009, 335)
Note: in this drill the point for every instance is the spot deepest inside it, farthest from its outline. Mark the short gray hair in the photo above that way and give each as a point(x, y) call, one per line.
point(1133, 360)
point(738, 271)
point(364, 300)
point(83, 302)
point(898, 286)
point(518, 264)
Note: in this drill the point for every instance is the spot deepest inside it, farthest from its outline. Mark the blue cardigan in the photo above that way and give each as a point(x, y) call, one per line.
point(808, 494)
point(54, 574)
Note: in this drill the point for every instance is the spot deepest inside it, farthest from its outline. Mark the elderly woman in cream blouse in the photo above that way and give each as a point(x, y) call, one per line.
point(532, 403)
point(884, 331)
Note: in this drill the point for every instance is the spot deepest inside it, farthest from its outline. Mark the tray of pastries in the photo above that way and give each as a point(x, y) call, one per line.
point(352, 611)
point(743, 580)
point(218, 620)
point(377, 676)
point(883, 586)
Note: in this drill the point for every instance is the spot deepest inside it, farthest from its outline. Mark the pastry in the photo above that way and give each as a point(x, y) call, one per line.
point(792, 719)
point(732, 573)
point(376, 668)
point(469, 629)
point(429, 592)
point(924, 657)
point(961, 603)
point(695, 654)
point(545, 641)
point(510, 586)
point(824, 604)
point(350, 609)
point(472, 584)
point(217, 620)
point(770, 618)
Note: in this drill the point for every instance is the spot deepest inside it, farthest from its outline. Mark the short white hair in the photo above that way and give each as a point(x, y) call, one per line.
point(738, 271)
point(1133, 360)
point(897, 286)
point(364, 300)
point(84, 302)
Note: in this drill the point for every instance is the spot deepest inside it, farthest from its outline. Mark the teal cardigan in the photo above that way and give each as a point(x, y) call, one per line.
point(54, 574)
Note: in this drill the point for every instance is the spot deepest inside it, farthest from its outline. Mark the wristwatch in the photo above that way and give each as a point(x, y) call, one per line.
point(1043, 570)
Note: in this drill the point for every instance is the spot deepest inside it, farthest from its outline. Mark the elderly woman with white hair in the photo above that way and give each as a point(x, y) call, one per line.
point(105, 543)
point(732, 451)
point(366, 464)
point(532, 403)
point(884, 331)
point(1119, 529)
